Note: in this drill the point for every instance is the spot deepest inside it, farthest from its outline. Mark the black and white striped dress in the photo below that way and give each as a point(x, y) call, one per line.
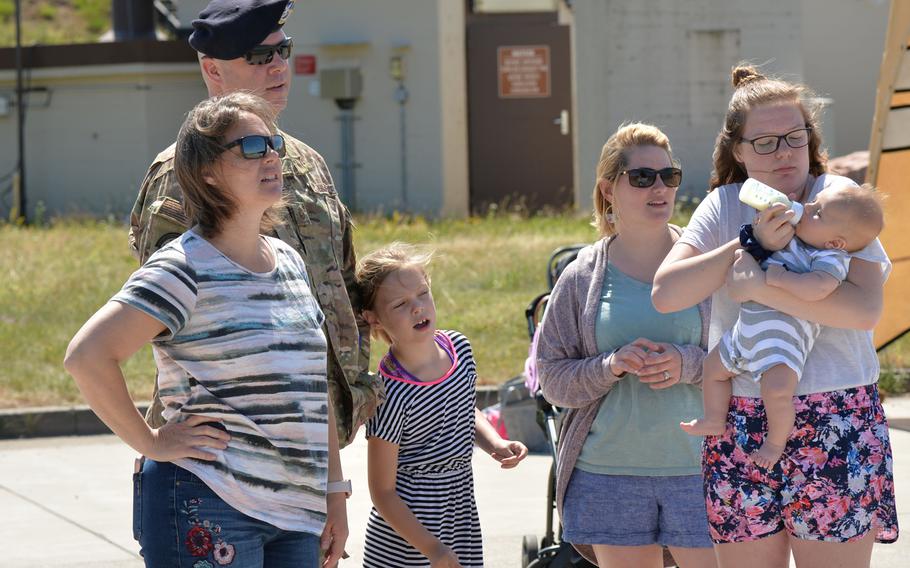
point(433, 425)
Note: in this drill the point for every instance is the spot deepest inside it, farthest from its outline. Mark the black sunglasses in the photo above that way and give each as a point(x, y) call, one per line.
point(645, 177)
point(262, 54)
point(256, 146)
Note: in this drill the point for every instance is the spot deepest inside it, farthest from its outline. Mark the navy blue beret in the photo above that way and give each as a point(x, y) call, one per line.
point(227, 29)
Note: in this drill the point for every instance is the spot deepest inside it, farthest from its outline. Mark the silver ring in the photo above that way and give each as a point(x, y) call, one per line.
point(666, 375)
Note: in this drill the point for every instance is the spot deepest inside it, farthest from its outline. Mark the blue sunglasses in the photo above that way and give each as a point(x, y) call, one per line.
point(256, 146)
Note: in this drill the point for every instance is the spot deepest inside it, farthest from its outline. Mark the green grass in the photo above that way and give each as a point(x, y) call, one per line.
point(485, 272)
point(95, 13)
point(55, 21)
point(55, 278)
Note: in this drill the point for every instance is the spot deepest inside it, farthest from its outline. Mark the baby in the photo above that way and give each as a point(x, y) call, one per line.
point(772, 346)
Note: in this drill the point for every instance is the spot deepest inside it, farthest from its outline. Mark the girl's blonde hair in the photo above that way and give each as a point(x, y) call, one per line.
point(752, 89)
point(374, 268)
point(613, 158)
point(200, 145)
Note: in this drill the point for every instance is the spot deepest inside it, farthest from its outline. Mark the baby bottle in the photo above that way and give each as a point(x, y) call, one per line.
point(760, 196)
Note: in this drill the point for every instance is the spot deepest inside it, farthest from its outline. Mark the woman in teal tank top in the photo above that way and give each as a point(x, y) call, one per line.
point(628, 480)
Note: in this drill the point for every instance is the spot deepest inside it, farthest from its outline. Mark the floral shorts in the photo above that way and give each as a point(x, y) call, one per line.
point(833, 483)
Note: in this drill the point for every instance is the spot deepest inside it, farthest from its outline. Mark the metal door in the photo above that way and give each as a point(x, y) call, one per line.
point(519, 107)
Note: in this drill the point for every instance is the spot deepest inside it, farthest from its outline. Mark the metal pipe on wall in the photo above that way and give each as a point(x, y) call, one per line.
point(19, 180)
point(348, 161)
point(401, 95)
point(397, 71)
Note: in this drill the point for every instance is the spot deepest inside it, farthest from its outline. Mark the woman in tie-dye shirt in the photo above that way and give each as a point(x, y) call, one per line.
point(239, 473)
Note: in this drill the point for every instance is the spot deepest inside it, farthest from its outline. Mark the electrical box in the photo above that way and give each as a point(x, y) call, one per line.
point(342, 83)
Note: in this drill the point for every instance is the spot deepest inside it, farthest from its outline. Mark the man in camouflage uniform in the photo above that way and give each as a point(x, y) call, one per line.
point(242, 46)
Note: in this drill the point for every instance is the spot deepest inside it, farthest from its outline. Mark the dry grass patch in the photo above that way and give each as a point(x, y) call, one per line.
point(485, 272)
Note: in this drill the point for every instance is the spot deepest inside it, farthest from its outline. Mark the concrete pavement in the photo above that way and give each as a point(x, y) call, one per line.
point(67, 502)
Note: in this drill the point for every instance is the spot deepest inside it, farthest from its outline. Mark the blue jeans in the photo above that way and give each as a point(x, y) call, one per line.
point(181, 523)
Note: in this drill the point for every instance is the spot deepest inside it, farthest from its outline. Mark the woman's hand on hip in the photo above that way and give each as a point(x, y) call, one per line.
point(335, 534)
point(772, 227)
point(188, 439)
point(745, 279)
point(662, 368)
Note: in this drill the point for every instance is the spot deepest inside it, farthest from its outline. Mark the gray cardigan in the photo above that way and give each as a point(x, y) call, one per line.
point(573, 374)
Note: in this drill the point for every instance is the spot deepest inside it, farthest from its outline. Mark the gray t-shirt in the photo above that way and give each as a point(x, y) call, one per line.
point(841, 358)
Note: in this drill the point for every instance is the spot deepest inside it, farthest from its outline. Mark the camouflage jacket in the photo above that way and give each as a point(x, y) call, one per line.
point(319, 227)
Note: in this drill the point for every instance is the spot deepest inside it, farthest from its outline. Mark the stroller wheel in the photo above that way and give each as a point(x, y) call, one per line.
point(529, 550)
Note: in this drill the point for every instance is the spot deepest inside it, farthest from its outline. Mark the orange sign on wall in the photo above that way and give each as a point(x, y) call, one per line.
point(304, 64)
point(524, 71)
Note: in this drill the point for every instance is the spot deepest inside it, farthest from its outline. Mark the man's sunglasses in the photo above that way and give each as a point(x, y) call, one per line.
point(645, 177)
point(262, 54)
point(257, 146)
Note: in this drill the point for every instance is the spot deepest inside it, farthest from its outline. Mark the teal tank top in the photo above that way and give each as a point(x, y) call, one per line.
point(636, 431)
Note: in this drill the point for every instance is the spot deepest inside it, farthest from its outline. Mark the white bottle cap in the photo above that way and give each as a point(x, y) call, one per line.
point(797, 212)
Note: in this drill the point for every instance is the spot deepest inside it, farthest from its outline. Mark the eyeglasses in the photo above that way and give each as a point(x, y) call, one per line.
point(645, 177)
point(769, 144)
point(257, 146)
point(262, 54)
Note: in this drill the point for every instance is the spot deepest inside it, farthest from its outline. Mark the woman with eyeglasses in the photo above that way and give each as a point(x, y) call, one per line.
point(628, 479)
point(832, 493)
point(244, 472)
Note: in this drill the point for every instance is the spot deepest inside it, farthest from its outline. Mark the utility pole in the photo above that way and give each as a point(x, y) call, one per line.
point(20, 211)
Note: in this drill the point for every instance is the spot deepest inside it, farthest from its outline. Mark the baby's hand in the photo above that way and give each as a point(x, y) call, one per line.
point(508, 453)
point(773, 274)
point(743, 279)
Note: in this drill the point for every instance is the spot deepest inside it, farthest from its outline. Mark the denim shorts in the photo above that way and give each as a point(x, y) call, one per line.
point(181, 523)
point(632, 510)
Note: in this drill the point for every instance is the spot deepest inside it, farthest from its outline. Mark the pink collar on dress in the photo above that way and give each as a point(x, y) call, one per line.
point(390, 368)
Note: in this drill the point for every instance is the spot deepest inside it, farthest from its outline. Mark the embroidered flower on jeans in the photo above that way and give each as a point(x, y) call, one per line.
point(199, 541)
point(203, 564)
point(224, 553)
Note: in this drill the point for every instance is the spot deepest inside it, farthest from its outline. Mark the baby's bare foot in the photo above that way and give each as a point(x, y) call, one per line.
point(703, 427)
point(767, 455)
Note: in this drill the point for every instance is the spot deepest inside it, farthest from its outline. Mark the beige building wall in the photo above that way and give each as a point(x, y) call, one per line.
point(668, 63)
point(91, 137)
point(843, 43)
point(429, 37)
point(90, 141)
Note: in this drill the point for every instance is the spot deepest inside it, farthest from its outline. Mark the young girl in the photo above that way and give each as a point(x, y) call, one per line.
point(421, 439)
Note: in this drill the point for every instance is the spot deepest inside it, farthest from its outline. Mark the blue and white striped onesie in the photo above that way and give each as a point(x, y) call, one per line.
point(764, 337)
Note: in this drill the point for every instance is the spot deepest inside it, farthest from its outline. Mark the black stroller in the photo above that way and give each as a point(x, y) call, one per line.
point(551, 551)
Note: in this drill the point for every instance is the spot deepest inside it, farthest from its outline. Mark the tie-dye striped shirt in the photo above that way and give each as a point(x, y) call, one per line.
point(247, 348)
